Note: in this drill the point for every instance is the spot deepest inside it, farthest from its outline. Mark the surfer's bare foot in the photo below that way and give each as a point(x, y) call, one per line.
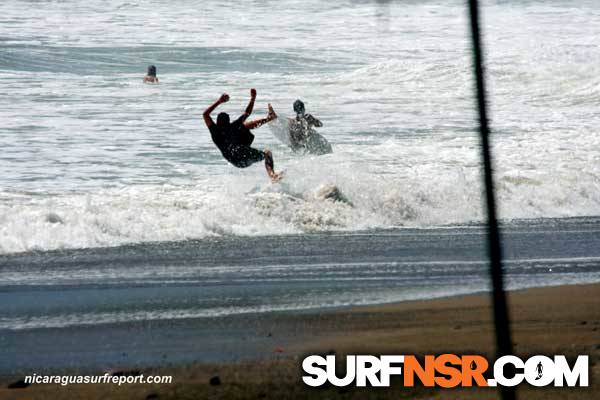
point(270, 166)
point(276, 176)
point(271, 116)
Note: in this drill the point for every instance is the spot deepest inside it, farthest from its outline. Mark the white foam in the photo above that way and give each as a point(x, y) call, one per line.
point(91, 157)
point(427, 195)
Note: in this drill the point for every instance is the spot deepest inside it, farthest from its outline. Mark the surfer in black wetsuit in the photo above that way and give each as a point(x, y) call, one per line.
point(301, 135)
point(234, 138)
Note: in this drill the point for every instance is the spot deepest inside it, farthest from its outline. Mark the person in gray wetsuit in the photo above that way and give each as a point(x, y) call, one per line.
point(299, 134)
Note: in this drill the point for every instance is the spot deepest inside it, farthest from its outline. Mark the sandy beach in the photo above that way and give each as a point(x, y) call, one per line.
point(555, 320)
point(140, 235)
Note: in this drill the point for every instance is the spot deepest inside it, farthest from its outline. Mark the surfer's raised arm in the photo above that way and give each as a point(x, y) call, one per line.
point(250, 106)
point(207, 118)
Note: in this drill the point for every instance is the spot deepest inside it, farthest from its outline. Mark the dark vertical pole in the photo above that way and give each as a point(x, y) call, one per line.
point(502, 325)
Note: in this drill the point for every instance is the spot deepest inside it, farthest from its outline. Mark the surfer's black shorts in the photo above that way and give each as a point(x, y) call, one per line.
point(243, 156)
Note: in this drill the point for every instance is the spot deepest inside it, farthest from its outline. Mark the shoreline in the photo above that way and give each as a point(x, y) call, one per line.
point(382, 230)
point(549, 320)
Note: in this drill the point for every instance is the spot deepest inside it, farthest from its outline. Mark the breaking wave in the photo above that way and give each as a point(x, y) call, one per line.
point(155, 213)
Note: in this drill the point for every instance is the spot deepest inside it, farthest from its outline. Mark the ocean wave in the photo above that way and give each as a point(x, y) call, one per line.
point(118, 60)
point(93, 158)
point(157, 213)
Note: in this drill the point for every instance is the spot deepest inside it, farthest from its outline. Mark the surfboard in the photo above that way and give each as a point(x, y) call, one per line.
point(318, 145)
point(280, 130)
point(315, 144)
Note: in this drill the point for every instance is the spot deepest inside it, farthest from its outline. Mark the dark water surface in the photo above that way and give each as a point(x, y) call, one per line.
point(218, 299)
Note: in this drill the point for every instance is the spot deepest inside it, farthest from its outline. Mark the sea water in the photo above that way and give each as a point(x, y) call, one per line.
point(91, 158)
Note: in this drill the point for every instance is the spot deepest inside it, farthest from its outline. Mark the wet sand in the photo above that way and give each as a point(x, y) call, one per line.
point(556, 320)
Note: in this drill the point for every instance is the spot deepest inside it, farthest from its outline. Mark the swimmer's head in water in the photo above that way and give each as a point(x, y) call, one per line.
point(299, 107)
point(151, 70)
point(222, 119)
